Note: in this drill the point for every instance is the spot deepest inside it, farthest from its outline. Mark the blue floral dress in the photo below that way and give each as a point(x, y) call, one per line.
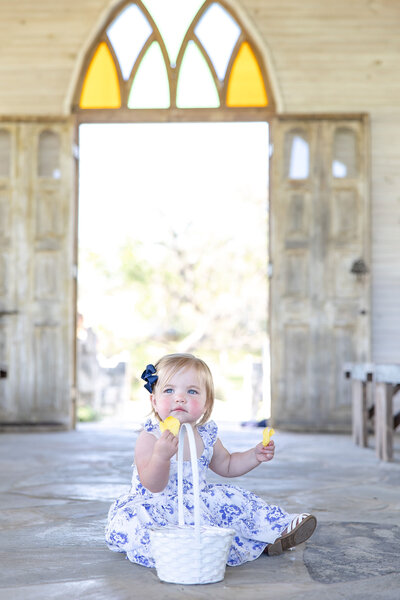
point(132, 515)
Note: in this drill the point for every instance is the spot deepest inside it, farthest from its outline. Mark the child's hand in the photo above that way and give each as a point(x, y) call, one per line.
point(265, 453)
point(166, 445)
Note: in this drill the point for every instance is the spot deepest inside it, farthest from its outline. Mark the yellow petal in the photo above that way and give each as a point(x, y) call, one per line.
point(267, 434)
point(170, 423)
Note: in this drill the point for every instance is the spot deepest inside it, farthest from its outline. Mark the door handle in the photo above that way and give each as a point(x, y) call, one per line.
point(6, 313)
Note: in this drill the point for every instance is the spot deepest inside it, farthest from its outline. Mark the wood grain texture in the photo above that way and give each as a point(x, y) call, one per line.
point(340, 57)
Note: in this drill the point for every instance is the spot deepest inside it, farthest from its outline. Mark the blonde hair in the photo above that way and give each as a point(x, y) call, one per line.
point(170, 364)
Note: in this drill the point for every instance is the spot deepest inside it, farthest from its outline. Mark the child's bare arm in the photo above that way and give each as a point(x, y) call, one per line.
point(238, 463)
point(152, 458)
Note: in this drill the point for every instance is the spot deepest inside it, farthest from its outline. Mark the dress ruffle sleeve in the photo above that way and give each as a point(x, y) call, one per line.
point(152, 426)
point(208, 433)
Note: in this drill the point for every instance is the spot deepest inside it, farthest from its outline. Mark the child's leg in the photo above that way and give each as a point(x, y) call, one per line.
point(298, 531)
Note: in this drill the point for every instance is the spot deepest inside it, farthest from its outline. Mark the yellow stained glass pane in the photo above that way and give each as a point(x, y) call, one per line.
point(246, 85)
point(101, 87)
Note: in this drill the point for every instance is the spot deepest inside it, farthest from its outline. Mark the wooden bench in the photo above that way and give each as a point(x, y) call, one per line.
point(385, 383)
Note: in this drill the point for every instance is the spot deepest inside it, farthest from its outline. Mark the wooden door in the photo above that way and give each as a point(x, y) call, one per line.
point(320, 235)
point(36, 275)
point(8, 134)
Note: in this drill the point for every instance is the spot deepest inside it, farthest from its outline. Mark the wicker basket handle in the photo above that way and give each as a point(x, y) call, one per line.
point(195, 477)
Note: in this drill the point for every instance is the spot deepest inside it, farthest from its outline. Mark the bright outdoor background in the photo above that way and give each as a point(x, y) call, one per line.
point(173, 222)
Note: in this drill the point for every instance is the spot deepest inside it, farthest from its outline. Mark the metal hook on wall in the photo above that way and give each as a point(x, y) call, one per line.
point(360, 269)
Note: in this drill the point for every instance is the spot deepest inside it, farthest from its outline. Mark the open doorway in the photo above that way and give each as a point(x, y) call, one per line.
point(172, 258)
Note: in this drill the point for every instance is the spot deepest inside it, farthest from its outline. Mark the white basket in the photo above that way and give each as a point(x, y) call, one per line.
point(190, 554)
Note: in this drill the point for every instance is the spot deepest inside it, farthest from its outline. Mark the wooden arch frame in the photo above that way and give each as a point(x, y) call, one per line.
point(173, 113)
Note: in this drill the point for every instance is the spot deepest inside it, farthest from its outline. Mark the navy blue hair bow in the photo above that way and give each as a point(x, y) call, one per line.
point(149, 376)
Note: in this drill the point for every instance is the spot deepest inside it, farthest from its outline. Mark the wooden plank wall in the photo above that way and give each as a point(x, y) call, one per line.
point(385, 150)
point(328, 58)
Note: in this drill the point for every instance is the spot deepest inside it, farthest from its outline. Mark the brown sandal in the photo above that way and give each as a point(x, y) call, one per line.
point(297, 532)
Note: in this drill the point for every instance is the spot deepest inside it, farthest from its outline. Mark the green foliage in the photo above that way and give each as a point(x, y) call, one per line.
point(135, 269)
point(87, 414)
point(197, 291)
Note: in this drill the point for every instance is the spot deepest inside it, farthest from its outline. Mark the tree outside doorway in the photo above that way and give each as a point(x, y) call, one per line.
point(173, 251)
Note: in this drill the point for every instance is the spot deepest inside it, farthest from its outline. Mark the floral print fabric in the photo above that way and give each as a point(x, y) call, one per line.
point(132, 515)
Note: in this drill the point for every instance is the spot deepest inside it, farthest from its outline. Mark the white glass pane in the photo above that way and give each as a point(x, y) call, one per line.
point(150, 88)
point(128, 33)
point(299, 159)
point(344, 163)
point(339, 170)
point(173, 18)
point(218, 32)
point(49, 155)
point(196, 86)
point(5, 153)
point(297, 156)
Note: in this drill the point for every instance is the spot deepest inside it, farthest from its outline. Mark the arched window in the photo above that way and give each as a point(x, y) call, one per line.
point(49, 154)
point(297, 155)
point(344, 160)
point(175, 57)
point(5, 153)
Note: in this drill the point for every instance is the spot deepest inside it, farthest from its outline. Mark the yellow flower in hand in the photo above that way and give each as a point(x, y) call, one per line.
point(267, 434)
point(170, 423)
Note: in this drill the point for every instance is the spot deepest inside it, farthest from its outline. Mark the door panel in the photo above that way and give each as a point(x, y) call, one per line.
point(320, 310)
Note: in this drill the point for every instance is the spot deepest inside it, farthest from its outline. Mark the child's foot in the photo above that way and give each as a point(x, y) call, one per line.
point(298, 531)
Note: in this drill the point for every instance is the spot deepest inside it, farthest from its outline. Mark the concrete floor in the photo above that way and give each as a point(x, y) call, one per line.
point(56, 489)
